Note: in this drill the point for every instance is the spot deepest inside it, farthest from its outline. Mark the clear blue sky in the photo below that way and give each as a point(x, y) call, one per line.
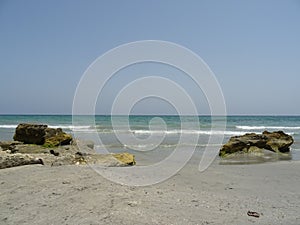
point(253, 47)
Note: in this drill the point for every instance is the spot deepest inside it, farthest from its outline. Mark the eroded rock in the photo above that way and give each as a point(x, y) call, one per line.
point(56, 137)
point(30, 133)
point(38, 144)
point(9, 145)
point(11, 160)
point(276, 141)
point(107, 160)
point(41, 135)
point(126, 158)
point(26, 154)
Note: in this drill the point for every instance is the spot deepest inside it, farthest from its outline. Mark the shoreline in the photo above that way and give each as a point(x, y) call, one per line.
point(223, 194)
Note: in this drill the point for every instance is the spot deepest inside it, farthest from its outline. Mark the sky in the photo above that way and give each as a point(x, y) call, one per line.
point(252, 47)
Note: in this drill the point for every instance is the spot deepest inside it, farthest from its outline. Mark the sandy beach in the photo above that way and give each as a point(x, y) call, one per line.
point(223, 194)
point(149, 93)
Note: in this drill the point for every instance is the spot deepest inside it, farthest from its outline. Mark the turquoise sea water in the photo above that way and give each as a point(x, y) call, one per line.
point(164, 133)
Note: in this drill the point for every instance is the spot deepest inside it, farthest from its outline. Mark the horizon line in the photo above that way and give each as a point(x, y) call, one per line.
point(59, 114)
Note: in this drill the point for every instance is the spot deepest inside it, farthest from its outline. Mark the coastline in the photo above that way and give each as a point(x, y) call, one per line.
point(220, 195)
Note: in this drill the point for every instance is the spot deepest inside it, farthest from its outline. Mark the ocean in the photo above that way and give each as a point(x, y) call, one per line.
point(152, 143)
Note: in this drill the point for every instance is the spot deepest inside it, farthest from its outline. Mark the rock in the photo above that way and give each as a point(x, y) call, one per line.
point(9, 145)
point(126, 158)
point(106, 160)
point(38, 144)
point(30, 149)
point(59, 156)
point(67, 159)
point(276, 141)
point(11, 160)
point(254, 214)
point(56, 137)
point(41, 135)
point(54, 152)
point(30, 133)
point(31, 154)
point(132, 203)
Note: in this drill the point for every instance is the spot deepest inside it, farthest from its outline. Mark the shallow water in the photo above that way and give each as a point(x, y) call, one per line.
point(154, 138)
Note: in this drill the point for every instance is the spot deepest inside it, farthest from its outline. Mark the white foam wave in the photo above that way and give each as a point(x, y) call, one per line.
point(8, 126)
point(241, 130)
point(266, 127)
point(203, 132)
point(70, 127)
point(142, 146)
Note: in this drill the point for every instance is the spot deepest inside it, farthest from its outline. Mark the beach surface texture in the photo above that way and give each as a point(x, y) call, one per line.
point(252, 189)
point(223, 194)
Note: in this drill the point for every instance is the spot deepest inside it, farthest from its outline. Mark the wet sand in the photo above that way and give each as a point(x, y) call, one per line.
point(223, 194)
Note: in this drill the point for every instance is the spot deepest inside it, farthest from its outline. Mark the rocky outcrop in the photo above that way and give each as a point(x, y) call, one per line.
point(30, 133)
point(25, 154)
point(9, 146)
point(107, 160)
point(41, 135)
point(56, 137)
point(38, 144)
point(11, 160)
point(276, 141)
point(125, 158)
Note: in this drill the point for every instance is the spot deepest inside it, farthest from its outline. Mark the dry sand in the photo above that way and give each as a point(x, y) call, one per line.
point(221, 195)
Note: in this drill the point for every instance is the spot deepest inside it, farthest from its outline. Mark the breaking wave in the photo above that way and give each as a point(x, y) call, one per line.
point(266, 128)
